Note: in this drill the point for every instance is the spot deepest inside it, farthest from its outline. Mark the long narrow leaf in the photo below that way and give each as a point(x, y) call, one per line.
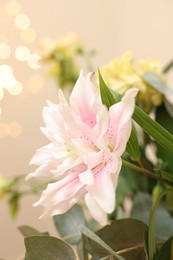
point(160, 134)
point(133, 146)
point(152, 249)
point(85, 231)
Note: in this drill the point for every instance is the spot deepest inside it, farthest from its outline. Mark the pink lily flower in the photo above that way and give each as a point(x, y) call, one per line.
point(83, 157)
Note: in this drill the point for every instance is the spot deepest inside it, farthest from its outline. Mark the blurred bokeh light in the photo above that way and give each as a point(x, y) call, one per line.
point(22, 21)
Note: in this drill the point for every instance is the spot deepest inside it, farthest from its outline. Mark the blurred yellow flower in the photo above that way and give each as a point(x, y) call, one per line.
point(61, 53)
point(123, 73)
point(66, 44)
point(4, 186)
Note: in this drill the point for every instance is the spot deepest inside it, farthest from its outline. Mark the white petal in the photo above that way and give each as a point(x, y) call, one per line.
point(120, 121)
point(97, 213)
point(59, 191)
point(85, 100)
point(86, 177)
point(103, 191)
point(60, 196)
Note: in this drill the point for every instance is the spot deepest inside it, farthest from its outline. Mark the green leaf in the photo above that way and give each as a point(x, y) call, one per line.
point(161, 135)
point(47, 248)
point(152, 249)
point(108, 100)
point(68, 223)
point(98, 243)
point(26, 257)
point(28, 231)
point(168, 67)
point(85, 253)
point(125, 237)
point(169, 200)
point(107, 97)
point(133, 146)
point(155, 81)
point(164, 119)
point(14, 203)
point(82, 254)
point(166, 175)
point(166, 251)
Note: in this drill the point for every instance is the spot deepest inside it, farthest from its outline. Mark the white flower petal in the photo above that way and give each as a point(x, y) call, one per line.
point(103, 190)
point(96, 211)
point(119, 129)
point(86, 177)
point(85, 100)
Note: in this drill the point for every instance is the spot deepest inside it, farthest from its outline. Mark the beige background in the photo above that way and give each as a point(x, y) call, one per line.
point(110, 26)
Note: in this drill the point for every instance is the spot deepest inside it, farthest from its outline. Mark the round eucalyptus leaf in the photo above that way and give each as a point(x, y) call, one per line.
point(123, 234)
point(47, 248)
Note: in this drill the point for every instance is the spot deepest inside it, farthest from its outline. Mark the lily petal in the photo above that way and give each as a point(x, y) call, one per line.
point(120, 125)
point(96, 211)
point(84, 100)
point(103, 191)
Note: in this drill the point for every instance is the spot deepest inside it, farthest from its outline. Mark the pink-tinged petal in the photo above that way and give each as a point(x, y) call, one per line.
point(48, 152)
point(67, 190)
point(70, 178)
point(117, 169)
point(88, 153)
point(67, 115)
point(59, 120)
point(86, 133)
point(49, 194)
point(44, 171)
point(51, 163)
point(63, 206)
point(93, 158)
point(119, 129)
point(72, 126)
point(52, 136)
point(85, 100)
point(96, 212)
point(40, 157)
point(66, 165)
point(102, 122)
point(86, 177)
point(103, 190)
point(52, 121)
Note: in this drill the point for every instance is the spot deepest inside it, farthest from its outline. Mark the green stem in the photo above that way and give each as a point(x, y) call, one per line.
point(168, 67)
point(70, 236)
point(152, 249)
point(146, 172)
point(129, 249)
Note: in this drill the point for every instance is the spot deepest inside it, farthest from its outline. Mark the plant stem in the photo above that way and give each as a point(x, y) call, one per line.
point(146, 172)
point(70, 236)
point(129, 249)
point(168, 67)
